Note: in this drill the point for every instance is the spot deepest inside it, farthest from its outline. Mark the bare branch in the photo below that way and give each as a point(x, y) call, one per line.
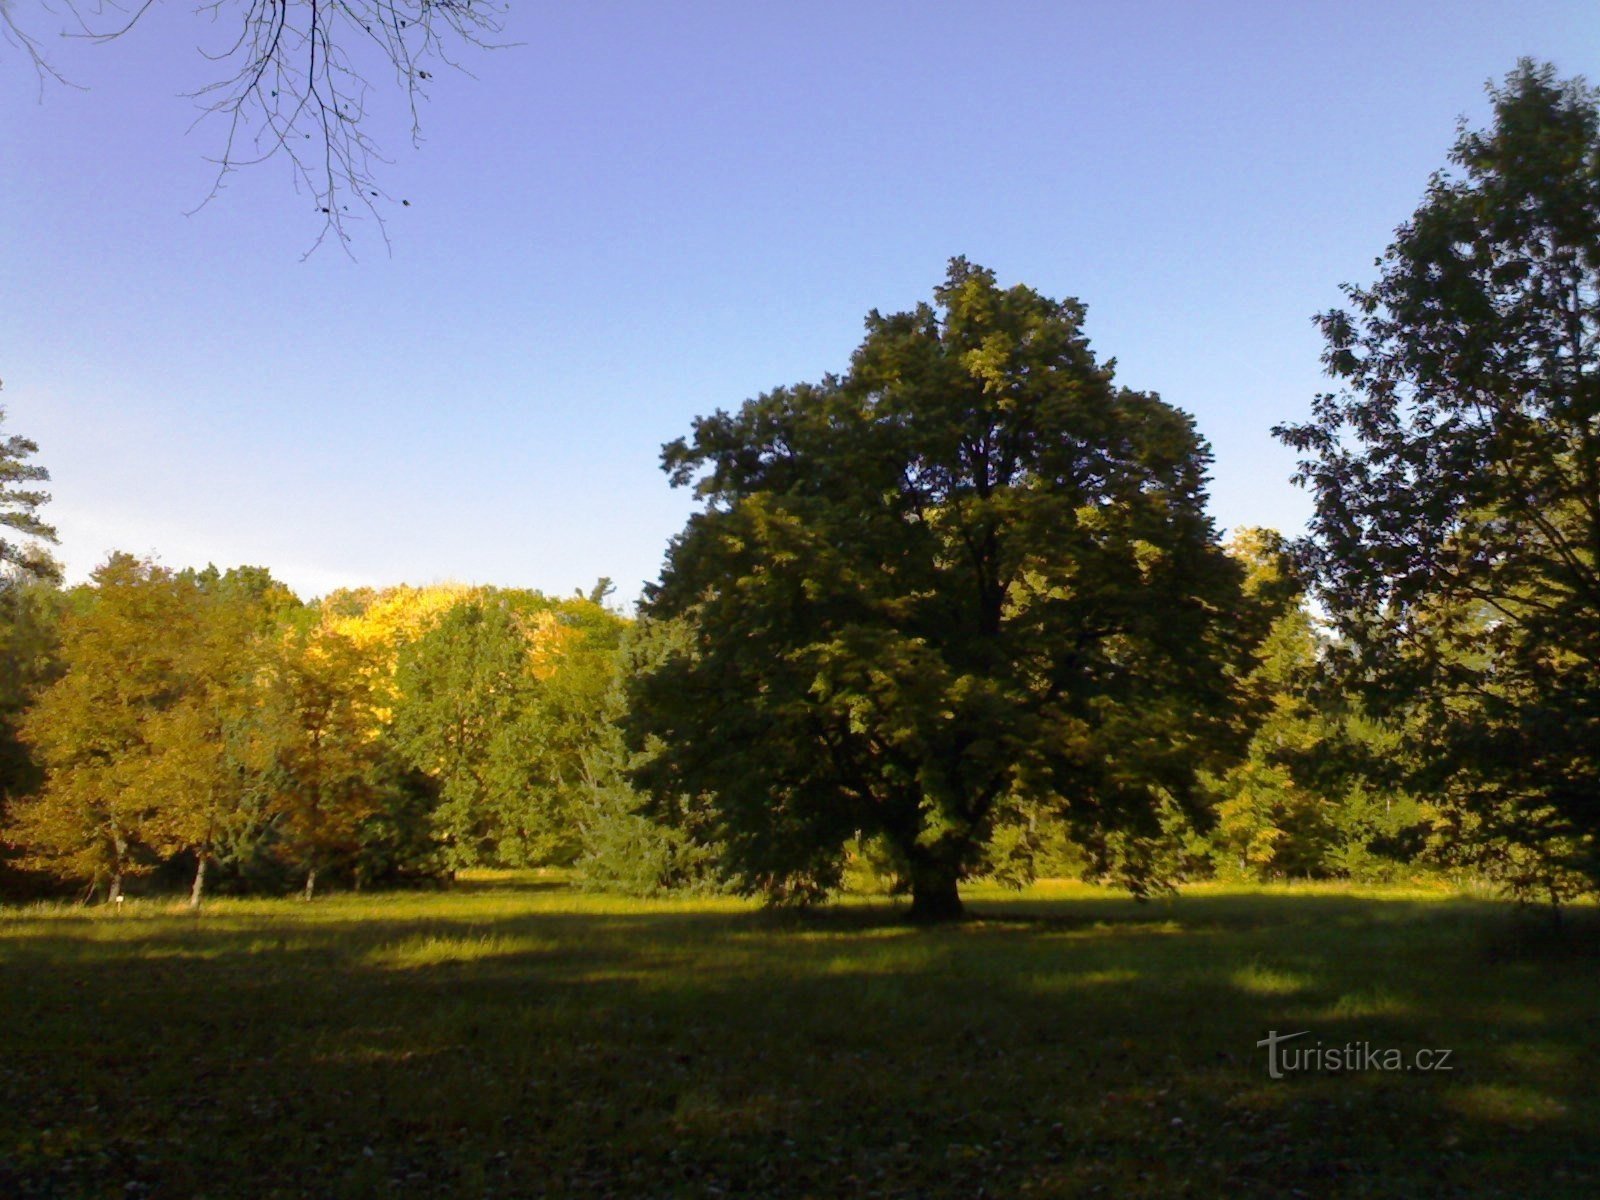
point(294, 82)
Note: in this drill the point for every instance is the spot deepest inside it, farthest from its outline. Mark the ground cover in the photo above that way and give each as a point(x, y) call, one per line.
point(512, 1036)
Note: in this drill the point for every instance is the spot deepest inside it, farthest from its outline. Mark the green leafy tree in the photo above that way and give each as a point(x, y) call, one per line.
point(550, 757)
point(30, 635)
point(499, 702)
point(463, 687)
point(396, 843)
point(121, 656)
point(1317, 792)
point(629, 844)
point(209, 751)
point(968, 574)
point(1268, 823)
point(321, 699)
point(1456, 540)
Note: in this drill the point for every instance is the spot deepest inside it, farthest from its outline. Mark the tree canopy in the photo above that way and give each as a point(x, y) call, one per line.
point(970, 573)
point(1456, 539)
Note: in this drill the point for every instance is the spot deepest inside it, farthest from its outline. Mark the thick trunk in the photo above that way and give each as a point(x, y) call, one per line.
point(311, 883)
point(934, 895)
point(199, 888)
point(115, 893)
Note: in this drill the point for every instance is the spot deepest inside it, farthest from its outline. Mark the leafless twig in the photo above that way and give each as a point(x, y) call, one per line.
point(294, 81)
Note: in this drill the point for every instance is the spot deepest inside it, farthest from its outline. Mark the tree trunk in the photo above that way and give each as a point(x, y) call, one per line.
point(119, 848)
point(198, 890)
point(311, 883)
point(934, 895)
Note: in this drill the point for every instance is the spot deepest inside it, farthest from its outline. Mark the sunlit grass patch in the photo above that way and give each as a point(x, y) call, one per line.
point(1543, 1058)
point(895, 960)
point(1069, 981)
point(1366, 1004)
point(1514, 1104)
point(435, 949)
point(1262, 980)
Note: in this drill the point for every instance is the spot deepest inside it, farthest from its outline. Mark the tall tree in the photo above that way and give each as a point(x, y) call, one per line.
point(30, 638)
point(122, 660)
point(20, 502)
point(30, 608)
point(1268, 822)
point(970, 572)
point(1456, 472)
point(322, 698)
point(551, 756)
point(210, 748)
point(1315, 793)
point(462, 688)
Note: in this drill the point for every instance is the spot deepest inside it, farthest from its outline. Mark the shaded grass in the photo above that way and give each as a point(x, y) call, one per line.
point(514, 1037)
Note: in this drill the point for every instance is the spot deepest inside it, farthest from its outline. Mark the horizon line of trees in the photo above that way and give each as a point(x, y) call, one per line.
point(957, 611)
point(206, 728)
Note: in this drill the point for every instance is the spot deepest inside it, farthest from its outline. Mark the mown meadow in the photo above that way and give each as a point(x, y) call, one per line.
point(514, 1036)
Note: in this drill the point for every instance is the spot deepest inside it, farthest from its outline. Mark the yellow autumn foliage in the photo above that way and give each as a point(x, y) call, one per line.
point(549, 638)
point(398, 615)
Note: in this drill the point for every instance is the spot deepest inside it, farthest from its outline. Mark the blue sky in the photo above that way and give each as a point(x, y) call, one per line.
point(644, 212)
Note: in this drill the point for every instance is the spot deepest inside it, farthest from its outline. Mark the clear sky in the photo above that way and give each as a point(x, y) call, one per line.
point(647, 211)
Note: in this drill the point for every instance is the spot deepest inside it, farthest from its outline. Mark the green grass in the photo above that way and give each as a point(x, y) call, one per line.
point(514, 1037)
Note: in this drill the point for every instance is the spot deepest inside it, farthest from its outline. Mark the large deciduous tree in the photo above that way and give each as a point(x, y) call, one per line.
point(148, 737)
point(968, 574)
point(123, 660)
point(1456, 473)
point(210, 747)
point(462, 687)
point(321, 699)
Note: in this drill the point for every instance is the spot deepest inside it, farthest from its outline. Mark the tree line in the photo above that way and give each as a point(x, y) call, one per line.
point(213, 719)
point(958, 611)
point(211, 723)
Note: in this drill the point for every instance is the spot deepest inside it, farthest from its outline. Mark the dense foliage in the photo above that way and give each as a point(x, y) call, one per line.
point(212, 718)
point(971, 574)
point(1456, 541)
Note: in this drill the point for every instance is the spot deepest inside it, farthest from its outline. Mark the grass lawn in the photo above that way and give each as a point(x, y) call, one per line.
point(513, 1037)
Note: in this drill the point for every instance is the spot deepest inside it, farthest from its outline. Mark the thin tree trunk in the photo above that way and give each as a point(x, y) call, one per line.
point(198, 890)
point(120, 850)
point(311, 883)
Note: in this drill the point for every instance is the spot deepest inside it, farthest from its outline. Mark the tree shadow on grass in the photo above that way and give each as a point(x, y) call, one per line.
point(518, 882)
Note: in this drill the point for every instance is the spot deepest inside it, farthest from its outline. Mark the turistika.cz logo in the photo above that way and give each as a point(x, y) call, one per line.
point(1345, 1056)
